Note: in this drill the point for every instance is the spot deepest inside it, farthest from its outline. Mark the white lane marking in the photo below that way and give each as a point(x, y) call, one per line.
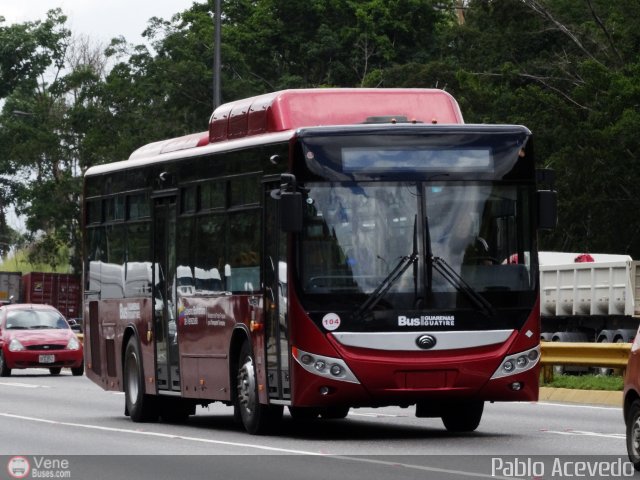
point(155, 434)
point(257, 447)
point(581, 433)
point(374, 415)
point(577, 405)
point(23, 385)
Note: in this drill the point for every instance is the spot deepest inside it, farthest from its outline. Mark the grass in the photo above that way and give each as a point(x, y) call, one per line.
point(586, 382)
point(19, 262)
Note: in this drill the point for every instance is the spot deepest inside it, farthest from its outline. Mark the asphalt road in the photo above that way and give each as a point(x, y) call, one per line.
point(69, 418)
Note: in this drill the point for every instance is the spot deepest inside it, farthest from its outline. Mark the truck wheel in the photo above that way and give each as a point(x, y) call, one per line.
point(4, 370)
point(140, 406)
point(256, 418)
point(463, 416)
point(633, 434)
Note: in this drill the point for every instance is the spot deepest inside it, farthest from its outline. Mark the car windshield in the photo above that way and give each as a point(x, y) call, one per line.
point(35, 319)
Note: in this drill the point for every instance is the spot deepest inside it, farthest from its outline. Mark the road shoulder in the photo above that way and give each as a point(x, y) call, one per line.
point(596, 397)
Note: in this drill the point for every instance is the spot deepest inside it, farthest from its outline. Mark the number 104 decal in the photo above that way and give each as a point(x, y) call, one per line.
point(331, 321)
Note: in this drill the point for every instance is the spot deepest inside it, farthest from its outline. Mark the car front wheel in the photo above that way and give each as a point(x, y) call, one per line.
point(78, 371)
point(4, 370)
point(633, 434)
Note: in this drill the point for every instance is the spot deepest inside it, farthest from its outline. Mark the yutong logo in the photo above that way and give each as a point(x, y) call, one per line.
point(426, 341)
point(427, 321)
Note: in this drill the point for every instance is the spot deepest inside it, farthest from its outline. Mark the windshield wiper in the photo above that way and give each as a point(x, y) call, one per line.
point(451, 276)
point(384, 286)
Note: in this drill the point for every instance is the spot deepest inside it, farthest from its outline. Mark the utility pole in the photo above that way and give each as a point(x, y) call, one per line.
point(216, 54)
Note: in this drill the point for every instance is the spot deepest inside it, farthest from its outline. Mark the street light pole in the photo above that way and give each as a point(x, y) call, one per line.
point(216, 55)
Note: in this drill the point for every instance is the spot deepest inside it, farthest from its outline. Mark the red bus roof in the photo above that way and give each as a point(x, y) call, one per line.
point(290, 109)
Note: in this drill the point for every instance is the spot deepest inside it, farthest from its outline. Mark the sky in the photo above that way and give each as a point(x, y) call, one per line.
point(101, 20)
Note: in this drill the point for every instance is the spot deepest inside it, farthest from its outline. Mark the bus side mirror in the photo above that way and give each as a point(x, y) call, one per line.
point(289, 198)
point(547, 209)
point(291, 212)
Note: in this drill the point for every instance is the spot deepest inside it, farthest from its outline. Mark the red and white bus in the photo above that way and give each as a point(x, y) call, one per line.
point(318, 249)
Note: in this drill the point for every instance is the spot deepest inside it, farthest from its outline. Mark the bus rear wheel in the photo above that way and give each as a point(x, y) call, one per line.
point(256, 418)
point(463, 417)
point(138, 405)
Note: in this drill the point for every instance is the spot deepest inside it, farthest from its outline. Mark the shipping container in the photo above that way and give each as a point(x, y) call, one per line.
point(62, 290)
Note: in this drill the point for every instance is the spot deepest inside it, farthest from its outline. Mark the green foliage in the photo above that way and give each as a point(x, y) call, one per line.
point(568, 70)
point(22, 261)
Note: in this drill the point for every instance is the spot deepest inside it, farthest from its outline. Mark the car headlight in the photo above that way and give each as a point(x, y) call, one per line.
point(15, 346)
point(73, 344)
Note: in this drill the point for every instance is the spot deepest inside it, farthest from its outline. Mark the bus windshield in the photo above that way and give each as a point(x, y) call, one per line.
point(421, 221)
point(391, 239)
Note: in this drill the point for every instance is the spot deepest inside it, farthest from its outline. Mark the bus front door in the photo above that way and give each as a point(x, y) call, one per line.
point(276, 311)
point(165, 301)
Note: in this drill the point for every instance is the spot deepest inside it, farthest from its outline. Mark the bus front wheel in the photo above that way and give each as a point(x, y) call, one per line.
point(139, 406)
point(463, 416)
point(255, 417)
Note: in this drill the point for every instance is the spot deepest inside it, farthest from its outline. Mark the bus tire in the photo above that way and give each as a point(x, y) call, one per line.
point(78, 371)
point(55, 370)
point(633, 434)
point(463, 416)
point(334, 413)
point(304, 413)
point(256, 418)
point(140, 406)
point(175, 410)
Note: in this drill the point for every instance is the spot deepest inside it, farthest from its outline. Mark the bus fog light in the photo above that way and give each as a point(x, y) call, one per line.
point(515, 386)
point(336, 370)
point(324, 390)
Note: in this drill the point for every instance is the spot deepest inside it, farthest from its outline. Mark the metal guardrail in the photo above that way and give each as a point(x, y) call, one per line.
point(604, 355)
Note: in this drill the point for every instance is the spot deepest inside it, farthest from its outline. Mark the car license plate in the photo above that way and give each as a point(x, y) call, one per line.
point(47, 358)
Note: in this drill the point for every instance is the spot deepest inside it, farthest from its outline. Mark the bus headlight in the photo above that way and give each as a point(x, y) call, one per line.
point(518, 363)
point(327, 367)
